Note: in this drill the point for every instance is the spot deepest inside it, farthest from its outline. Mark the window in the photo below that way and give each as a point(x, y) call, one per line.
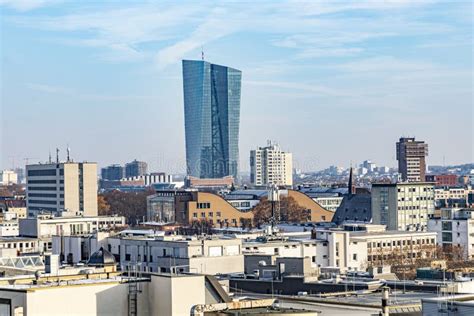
point(447, 236)
point(41, 181)
point(354, 257)
point(447, 226)
point(43, 195)
point(43, 172)
point(41, 188)
point(128, 257)
point(41, 202)
point(195, 215)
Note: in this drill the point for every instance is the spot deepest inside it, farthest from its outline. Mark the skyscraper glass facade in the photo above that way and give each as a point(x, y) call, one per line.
point(212, 118)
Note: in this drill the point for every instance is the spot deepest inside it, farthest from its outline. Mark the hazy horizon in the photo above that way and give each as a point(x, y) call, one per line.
point(334, 83)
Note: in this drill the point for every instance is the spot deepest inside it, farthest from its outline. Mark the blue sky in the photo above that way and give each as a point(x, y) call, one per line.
point(334, 82)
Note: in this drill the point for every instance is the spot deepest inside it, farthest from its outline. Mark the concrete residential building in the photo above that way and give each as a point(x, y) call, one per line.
point(45, 227)
point(211, 117)
point(62, 187)
point(8, 177)
point(136, 168)
point(112, 172)
point(271, 166)
point(176, 254)
point(403, 205)
point(455, 228)
point(411, 155)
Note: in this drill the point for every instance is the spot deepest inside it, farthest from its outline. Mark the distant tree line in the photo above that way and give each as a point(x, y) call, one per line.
point(132, 205)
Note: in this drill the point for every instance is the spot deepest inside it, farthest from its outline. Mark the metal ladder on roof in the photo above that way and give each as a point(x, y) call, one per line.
point(133, 290)
point(132, 298)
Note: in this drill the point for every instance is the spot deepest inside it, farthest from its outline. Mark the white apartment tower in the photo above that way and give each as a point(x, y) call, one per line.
point(271, 166)
point(62, 187)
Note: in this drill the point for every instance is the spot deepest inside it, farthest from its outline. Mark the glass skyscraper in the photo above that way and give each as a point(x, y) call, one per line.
point(211, 117)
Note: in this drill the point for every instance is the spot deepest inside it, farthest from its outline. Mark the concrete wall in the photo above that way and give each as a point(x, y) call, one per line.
point(85, 299)
point(71, 187)
point(215, 265)
point(90, 189)
point(175, 296)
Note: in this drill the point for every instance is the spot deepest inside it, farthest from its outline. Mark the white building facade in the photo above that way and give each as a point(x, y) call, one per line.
point(271, 166)
point(455, 227)
point(404, 205)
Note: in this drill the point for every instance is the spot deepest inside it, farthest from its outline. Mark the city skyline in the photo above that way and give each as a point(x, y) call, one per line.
point(330, 85)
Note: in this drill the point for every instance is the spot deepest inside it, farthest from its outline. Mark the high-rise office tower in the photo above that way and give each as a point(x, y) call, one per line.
point(411, 155)
point(212, 117)
point(136, 168)
point(62, 186)
point(270, 165)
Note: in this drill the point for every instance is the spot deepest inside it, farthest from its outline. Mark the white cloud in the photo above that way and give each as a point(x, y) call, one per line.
point(311, 28)
point(213, 28)
point(26, 5)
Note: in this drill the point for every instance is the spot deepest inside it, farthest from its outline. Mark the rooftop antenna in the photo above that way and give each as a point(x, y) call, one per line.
point(50, 161)
point(57, 155)
point(202, 53)
point(68, 153)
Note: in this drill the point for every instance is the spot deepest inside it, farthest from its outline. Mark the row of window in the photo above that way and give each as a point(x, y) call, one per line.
point(401, 243)
point(42, 172)
point(407, 255)
point(209, 214)
point(20, 245)
point(201, 205)
point(41, 202)
point(41, 181)
point(42, 195)
point(44, 188)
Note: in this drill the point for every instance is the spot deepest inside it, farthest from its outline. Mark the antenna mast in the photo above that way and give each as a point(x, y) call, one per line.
point(202, 53)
